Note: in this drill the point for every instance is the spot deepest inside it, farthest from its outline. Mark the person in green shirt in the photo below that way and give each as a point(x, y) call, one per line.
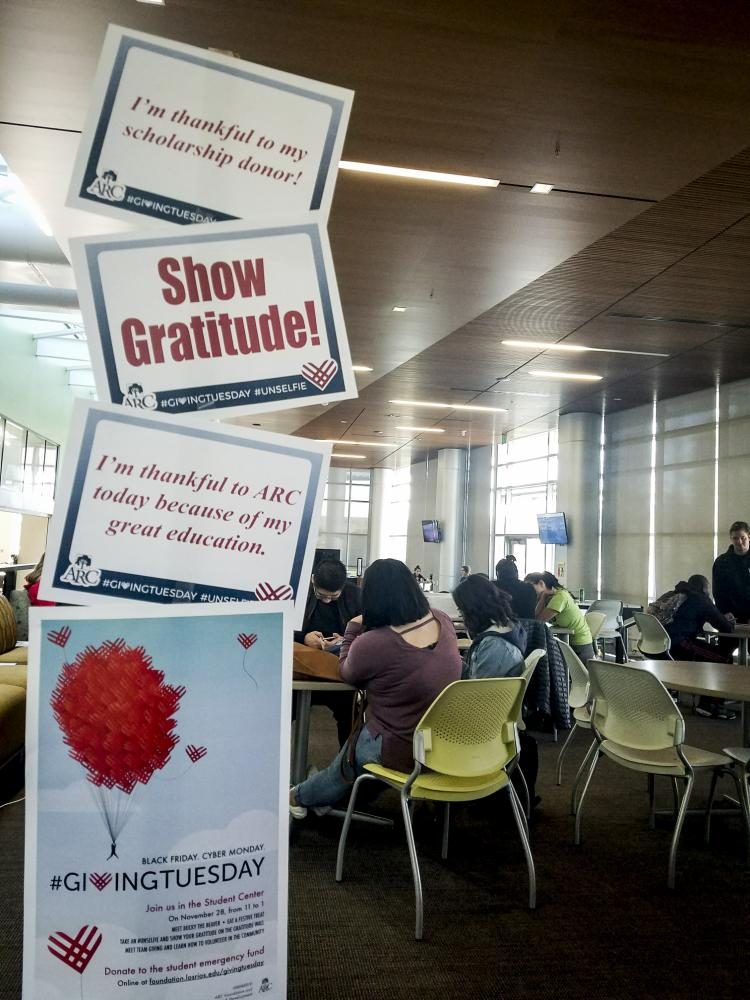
point(556, 604)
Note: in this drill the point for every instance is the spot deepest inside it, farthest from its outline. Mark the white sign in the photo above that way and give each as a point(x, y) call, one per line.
point(227, 318)
point(157, 764)
point(149, 508)
point(184, 135)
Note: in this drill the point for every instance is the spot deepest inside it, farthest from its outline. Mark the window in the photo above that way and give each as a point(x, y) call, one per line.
point(27, 469)
point(524, 485)
point(345, 515)
point(397, 515)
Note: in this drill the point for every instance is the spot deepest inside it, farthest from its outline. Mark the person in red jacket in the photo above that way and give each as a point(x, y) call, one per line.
point(32, 586)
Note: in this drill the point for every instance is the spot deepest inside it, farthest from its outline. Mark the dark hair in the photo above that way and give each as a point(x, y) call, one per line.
point(482, 604)
point(548, 579)
point(467, 568)
point(739, 526)
point(506, 569)
point(695, 584)
point(330, 574)
point(391, 595)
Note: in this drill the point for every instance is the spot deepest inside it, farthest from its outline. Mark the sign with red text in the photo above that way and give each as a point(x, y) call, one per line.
point(184, 135)
point(149, 508)
point(227, 318)
point(157, 766)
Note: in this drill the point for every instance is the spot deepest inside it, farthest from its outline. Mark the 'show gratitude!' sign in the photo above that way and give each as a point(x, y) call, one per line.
point(227, 318)
point(167, 511)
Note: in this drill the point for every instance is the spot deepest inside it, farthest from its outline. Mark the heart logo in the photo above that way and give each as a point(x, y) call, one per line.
point(147, 204)
point(265, 592)
point(195, 753)
point(124, 585)
point(246, 641)
point(60, 638)
point(76, 952)
point(320, 375)
point(182, 400)
point(100, 881)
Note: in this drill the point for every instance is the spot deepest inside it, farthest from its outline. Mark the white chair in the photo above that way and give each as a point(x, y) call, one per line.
point(639, 727)
point(654, 640)
point(595, 621)
point(610, 630)
point(741, 756)
point(578, 700)
point(530, 663)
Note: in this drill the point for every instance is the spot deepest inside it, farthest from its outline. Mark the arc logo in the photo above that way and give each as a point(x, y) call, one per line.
point(137, 398)
point(81, 574)
point(107, 188)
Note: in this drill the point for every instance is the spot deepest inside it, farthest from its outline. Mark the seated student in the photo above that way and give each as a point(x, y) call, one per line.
point(331, 603)
point(556, 604)
point(403, 653)
point(521, 594)
point(498, 642)
point(683, 612)
point(33, 579)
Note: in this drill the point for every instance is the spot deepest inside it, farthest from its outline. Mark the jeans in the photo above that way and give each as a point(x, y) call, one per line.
point(327, 787)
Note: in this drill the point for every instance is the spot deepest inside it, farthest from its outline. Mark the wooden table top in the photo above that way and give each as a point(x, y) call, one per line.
point(311, 664)
point(716, 680)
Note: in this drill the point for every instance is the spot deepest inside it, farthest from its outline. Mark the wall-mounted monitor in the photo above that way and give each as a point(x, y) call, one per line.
point(552, 529)
point(326, 555)
point(430, 531)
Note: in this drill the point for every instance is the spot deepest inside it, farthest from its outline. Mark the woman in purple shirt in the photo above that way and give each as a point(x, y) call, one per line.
point(402, 653)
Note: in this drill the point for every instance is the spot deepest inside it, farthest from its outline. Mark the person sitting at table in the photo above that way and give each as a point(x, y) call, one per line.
point(521, 594)
point(331, 602)
point(498, 644)
point(683, 611)
point(498, 640)
point(402, 653)
point(556, 604)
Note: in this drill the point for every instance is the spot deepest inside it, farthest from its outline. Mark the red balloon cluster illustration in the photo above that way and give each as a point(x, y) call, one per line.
point(116, 714)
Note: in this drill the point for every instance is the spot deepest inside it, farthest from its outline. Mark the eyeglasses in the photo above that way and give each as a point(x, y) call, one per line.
point(325, 595)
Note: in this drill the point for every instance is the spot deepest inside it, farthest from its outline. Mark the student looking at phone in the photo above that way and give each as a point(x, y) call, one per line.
point(332, 602)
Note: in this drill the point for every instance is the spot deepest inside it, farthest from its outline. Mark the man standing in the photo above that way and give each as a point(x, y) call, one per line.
point(731, 574)
point(331, 603)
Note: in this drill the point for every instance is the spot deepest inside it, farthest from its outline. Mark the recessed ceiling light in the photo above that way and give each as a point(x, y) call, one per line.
point(450, 406)
point(541, 188)
point(344, 454)
point(399, 309)
point(422, 430)
point(419, 175)
point(575, 376)
point(361, 368)
point(358, 444)
point(156, 3)
point(541, 345)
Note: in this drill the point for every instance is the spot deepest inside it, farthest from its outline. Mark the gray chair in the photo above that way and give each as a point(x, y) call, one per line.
point(654, 640)
point(610, 630)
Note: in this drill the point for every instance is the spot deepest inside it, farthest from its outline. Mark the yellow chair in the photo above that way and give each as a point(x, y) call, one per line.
point(463, 746)
point(639, 727)
point(578, 700)
point(595, 621)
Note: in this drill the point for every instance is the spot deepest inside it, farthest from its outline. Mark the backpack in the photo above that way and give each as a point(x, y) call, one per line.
point(664, 608)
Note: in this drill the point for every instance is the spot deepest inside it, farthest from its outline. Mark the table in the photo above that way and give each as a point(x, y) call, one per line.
point(563, 634)
point(715, 680)
point(314, 670)
point(742, 633)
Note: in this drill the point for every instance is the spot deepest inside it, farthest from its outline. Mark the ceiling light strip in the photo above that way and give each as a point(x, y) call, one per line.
point(450, 406)
point(542, 345)
point(418, 175)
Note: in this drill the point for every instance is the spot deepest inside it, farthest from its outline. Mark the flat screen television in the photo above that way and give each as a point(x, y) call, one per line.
point(552, 529)
point(430, 531)
point(326, 555)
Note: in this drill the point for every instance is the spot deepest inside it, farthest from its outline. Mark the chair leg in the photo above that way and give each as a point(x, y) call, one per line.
point(744, 783)
point(709, 806)
point(526, 795)
point(406, 811)
point(347, 823)
point(678, 829)
point(563, 749)
point(523, 832)
point(589, 776)
point(675, 798)
point(446, 830)
point(579, 775)
point(651, 802)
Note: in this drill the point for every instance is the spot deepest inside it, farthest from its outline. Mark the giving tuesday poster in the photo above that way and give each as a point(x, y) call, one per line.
point(158, 761)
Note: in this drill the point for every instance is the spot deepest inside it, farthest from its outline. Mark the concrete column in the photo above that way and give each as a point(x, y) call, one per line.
point(377, 528)
point(578, 497)
point(451, 481)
